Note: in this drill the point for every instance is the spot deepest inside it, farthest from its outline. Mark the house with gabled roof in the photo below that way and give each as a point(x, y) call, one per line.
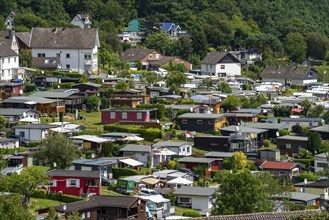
point(172, 29)
point(82, 20)
point(220, 64)
point(75, 48)
point(140, 152)
point(289, 75)
point(280, 169)
point(133, 33)
point(9, 62)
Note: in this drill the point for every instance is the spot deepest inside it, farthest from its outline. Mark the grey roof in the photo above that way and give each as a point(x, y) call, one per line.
point(216, 57)
point(45, 62)
point(248, 110)
point(28, 99)
point(118, 134)
point(15, 111)
point(36, 126)
point(6, 51)
point(277, 126)
point(243, 129)
point(134, 54)
point(73, 173)
point(323, 128)
point(290, 137)
point(95, 162)
point(316, 184)
point(136, 148)
point(181, 106)
point(298, 196)
point(195, 191)
point(170, 144)
point(88, 84)
point(71, 38)
point(219, 154)
point(200, 116)
point(24, 37)
point(196, 160)
point(285, 72)
point(301, 119)
point(54, 94)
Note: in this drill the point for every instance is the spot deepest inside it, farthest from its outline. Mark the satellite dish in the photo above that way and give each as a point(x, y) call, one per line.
point(277, 134)
point(191, 109)
point(64, 207)
point(55, 164)
point(305, 181)
point(237, 128)
point(24, 114)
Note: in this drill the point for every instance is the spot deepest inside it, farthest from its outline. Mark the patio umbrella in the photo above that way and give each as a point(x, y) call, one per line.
point(133, 138)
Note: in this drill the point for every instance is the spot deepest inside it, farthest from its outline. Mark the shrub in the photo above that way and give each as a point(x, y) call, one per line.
point(309, 176)
point(191, 213)
point(306, 162)
point(43, 194)
point(267, 143)
point(171, 164)
point(117, 172)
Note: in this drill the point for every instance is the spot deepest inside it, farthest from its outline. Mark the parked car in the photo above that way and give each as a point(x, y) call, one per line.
point(190, 172)
point(149, 192)
point(107, 181)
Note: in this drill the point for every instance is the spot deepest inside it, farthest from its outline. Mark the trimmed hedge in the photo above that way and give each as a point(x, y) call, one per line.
point(44, 194)
point(191, 213)
point(118, 172)
point(148, 134)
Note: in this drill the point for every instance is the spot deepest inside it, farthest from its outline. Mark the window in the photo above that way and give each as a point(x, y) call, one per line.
point(302, 190)
point(68, 56)
point(73, 182)
point(93, 182)
point(53, 183)
point(83, 215)
point(41, 55)
point(15, 59)
point(68, 66)
point(188, 149)
point(87, 56)
point(22, 133)
point(288, 146)
point(222, 67)
point(8, 60)
point(184, 200)
point(112, 115)
point(124, 115)
point(282, 173)
point(199, 122)
point(184, 121)
point(88, 214)
point(139, 115)
point(310, 74)
point(211, 122)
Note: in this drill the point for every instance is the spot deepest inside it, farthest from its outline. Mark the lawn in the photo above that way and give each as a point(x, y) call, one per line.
point(42, 203)
point(90, 120)
point(42, 169)
point(198, 151)
point(180, 210)
point(106, 192)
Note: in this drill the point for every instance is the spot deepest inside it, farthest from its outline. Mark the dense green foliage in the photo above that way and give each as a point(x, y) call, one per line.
point(148, 134)
point(44, 194)
point(263, 26)
point(119, 172)
point(11, 207)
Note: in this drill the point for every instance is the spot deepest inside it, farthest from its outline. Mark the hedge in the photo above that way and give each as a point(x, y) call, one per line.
point(44, 194)
point(148, 134)
point(191, 213)
point(306, 162)
point(117, 172)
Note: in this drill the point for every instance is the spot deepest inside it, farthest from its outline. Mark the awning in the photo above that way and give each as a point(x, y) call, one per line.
point(150, 181)
point(29, 119)
point(131, 162)
point(165, 152)
point(133, 138)
point(180, 181)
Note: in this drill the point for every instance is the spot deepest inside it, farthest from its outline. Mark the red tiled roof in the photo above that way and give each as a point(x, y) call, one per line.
point(277, 165)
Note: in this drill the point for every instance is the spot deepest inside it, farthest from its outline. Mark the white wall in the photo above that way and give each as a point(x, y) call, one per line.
point(32, 134)
point(76, 61)
point(138, 156)
point(321, 161)
point(201, 203)
point(77, 22)
point(230, 69)
point(7, 67)
point(10, 145)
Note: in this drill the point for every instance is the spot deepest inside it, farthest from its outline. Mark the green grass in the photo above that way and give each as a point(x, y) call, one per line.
point(180, 210)
point(198, 151)
point(40, 168)
point(41, 203)
point(106, 192)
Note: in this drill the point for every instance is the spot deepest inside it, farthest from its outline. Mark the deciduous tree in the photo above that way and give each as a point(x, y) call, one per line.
point(57, 151)
point(295, 46)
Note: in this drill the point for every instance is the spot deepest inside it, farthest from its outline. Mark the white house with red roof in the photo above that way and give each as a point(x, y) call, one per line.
point(281, 169)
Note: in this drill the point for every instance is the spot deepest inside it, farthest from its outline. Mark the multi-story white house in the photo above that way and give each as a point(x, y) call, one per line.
point(220, 64)
point(75, 49)
point(81, 20)
point(9, 62)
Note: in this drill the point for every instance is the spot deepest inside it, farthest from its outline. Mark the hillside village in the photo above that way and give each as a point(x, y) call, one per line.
point(90, 134)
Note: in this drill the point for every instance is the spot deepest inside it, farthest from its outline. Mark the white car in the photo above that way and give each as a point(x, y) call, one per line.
point(149, 192)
